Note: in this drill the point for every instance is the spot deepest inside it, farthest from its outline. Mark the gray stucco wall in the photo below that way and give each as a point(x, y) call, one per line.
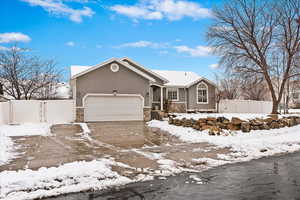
point(103, 80)
point(192, 97)
point(158, 80)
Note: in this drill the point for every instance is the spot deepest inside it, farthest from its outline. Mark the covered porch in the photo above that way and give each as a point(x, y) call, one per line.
point(157, 97)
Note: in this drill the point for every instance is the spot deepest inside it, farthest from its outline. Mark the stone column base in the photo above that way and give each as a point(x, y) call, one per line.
point(147, 114)
point(79, 115)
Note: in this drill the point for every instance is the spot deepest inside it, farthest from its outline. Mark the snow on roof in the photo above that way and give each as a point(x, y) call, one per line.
point(76, 69)
point(178, 78)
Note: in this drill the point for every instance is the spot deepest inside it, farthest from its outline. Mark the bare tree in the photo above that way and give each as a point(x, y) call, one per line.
point(24, 75)
point(250, 35)
point(254, 88)
point(228, 86)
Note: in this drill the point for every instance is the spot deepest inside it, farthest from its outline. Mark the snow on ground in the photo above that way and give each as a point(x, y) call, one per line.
point(244, 146)
point(67, 178)
point(86, 131)
point(6, 149)
point(242, 116)
point(7, 131)
point(26, 129)
point(294, 111)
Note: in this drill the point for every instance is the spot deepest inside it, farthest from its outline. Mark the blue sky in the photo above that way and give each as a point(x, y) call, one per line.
point(160, 34)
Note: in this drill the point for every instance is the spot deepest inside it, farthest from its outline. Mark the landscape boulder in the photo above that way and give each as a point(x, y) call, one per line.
point(246, 127)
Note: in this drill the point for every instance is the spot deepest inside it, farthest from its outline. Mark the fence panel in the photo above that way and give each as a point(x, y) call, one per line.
point(59, 111)
point(4, 112)
point(35, 111)
point(245, 106)
point(26, 111)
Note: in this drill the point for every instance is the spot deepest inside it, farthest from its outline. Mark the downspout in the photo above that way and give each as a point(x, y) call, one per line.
point(186, 103)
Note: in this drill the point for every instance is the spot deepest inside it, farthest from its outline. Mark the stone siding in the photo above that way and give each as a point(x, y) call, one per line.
point(147, 114)
point(79, 115)
point(177, 107)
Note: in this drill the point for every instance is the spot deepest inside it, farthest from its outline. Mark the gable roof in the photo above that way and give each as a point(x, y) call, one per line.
point(78, 71)
point(144, 68)
point(178, 78)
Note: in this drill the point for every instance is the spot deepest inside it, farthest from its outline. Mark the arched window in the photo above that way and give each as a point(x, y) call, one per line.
point(202, 93)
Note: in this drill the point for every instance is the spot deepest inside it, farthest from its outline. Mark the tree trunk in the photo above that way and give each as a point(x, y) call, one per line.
point(275, 107)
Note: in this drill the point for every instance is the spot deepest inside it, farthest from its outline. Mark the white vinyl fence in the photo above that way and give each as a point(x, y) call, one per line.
point(4, 112)
point(36, 111)
point(245, 106)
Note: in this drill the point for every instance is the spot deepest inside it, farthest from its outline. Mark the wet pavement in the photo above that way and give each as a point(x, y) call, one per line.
point(131, 143)
point(275, 177)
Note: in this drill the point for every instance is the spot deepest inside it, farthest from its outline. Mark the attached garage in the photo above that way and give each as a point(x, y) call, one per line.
point(109, 107)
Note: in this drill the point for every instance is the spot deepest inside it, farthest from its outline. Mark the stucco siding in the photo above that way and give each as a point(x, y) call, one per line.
point(158, 80)
point(192, 98)
point(103, 80)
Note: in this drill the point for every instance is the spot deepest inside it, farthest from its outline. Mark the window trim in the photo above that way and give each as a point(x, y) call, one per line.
point(197, 91)
point(167, 95)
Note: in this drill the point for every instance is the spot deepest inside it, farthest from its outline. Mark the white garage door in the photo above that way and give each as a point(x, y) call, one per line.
point(113, 108)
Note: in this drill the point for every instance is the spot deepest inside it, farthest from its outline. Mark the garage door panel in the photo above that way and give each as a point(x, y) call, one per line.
point(113, 108)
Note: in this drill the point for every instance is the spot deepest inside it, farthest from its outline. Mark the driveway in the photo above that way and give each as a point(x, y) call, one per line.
point(132, 143)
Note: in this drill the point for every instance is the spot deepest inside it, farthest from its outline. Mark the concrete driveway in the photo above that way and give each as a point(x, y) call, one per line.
point(132, 143)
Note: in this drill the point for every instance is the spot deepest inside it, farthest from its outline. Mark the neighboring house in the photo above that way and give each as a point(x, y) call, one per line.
point(121, 89)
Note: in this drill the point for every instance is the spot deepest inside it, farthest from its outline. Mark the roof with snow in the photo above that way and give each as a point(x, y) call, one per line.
point(178, 78)
point(174, 78)
point(76, 69)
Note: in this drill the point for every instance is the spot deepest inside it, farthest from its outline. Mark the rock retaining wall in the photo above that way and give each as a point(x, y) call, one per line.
point(217, 125)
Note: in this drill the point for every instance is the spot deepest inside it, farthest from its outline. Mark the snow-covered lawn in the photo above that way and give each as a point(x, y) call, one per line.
point(67, 178)
point(26, 129)
point(244, 146)
point(6, 149)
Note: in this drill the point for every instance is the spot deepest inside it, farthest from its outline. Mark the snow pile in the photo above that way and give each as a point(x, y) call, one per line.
point(86, 131)
point(70, 177)
point(6, 149)
point(26, 129)
point(245, 146)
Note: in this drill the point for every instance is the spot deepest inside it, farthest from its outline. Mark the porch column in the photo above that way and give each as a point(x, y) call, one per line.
point(161, 99)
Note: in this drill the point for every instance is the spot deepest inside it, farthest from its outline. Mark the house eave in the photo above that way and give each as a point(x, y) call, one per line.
point(113, 60)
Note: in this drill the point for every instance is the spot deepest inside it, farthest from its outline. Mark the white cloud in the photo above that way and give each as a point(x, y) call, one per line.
point(136, 12)
point(57, 7)
point(143, 44)
point(159, 9)
point(214, 66)
point(70, 44)
point(13, 37)
point(198, 51)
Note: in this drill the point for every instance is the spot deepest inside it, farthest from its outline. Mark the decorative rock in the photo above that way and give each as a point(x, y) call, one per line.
point(222, 119)
point(211, 123)
point(233, 127)
point(214, 130)
point(245, 127)
point(274, 125)
point(211, 119)
point(273, 116)
point(201, 120)
point(264, 126)
point(236, 121)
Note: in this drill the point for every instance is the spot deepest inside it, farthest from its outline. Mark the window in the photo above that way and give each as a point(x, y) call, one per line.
point(202, 93)
point(172, 94)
